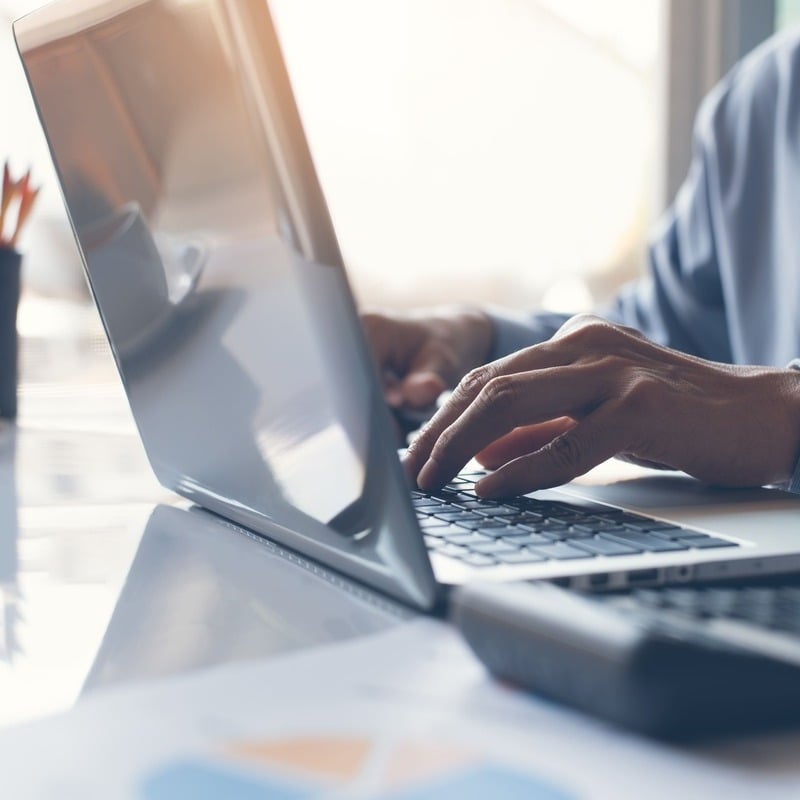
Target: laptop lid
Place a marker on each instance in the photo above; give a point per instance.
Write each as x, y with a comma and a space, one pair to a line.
211, 256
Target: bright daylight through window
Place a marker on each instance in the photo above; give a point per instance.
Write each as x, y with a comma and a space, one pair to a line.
492, 150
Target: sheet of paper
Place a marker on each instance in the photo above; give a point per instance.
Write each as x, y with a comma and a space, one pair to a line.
403, 715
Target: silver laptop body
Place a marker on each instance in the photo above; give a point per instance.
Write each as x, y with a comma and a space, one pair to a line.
215, 267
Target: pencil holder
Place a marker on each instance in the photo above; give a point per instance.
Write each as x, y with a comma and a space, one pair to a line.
10, 262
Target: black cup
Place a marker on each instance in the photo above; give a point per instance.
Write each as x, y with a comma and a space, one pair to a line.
10, 262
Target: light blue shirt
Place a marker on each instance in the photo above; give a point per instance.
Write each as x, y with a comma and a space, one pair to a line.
723, 278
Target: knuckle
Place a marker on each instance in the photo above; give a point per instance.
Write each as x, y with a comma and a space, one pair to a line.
640, 395
443, 444
417, 443
588, 330
579, 321
500, 393
566, 450
629, 331
609, 364
474, 381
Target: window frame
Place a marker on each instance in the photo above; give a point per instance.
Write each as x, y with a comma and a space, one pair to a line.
703, 39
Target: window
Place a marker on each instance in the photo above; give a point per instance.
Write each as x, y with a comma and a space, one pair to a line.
787, 13
471, 150
481, 150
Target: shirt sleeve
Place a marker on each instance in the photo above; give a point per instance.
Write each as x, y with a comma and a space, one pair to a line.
679, 301
722, 278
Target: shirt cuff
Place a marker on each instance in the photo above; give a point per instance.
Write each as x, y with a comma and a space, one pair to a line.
793, 485
514, 332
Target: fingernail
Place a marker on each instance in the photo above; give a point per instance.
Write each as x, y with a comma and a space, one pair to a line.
487, 488
427, 475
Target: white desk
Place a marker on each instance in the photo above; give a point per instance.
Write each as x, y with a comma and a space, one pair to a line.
77, 542
98, 590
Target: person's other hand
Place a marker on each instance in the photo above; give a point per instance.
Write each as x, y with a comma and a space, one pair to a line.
551, 412
423, 353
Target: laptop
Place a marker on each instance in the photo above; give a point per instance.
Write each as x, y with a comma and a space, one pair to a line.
214, 263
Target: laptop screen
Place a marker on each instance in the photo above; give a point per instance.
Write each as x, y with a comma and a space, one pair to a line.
211, 256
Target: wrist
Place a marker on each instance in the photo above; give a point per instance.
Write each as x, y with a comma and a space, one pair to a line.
469, 331
478, 334
792, 482
789, 391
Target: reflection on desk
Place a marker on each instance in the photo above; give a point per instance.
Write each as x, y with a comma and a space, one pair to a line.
202, 591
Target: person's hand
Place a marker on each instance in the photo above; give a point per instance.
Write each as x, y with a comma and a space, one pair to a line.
421, 354
551, 412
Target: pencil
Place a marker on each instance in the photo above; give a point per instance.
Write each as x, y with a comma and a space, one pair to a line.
5, 198
27, 199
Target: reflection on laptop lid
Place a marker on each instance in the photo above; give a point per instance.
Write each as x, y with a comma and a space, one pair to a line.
212, 259
214, 264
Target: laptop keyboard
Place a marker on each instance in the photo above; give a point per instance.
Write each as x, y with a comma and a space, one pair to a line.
775, 607
524, 530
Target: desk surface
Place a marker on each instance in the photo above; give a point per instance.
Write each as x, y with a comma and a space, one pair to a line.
106, 578
103, 579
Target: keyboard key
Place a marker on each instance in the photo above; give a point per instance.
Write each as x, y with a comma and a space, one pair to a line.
445, 493
518, 527
597, 527
646, 525
495, 524
650, 543
551, 525
430, 523
520, 557
471, 505
472, 525
611, 515
707, 543
453, 550
606, 547
451, 516
575, 532
465, 516
499, 511
437, 533
640, 525
493, 532
566, 519
468, 538
478, 560
561, 551
553, 536
528, 518
493, 547
425, 504
525, 539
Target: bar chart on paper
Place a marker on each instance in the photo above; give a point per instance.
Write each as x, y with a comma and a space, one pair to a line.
348, 766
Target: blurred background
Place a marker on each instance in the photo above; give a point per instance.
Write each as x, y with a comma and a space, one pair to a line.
505, 151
